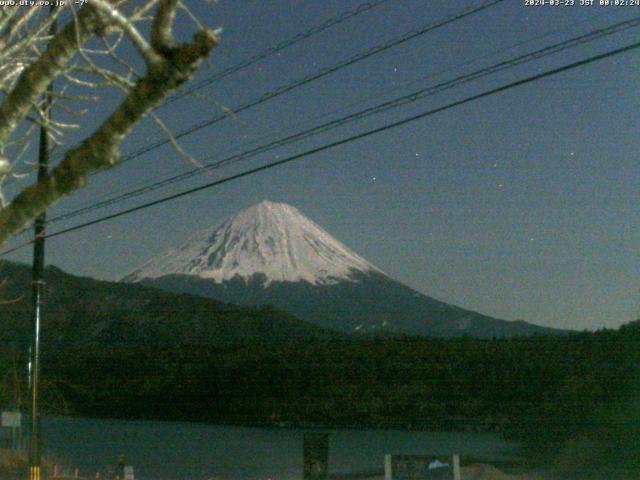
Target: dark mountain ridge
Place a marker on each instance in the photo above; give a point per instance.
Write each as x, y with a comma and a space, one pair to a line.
271, 253
84, 311
369, 304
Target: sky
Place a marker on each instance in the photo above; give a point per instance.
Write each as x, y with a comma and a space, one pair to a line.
520, 205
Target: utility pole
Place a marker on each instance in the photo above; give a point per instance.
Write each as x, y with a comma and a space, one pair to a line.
37, 287
37, 291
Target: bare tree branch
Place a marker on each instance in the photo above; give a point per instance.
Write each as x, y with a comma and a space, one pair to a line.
63, 55
149, 55
161, 36
34, 79
101, 149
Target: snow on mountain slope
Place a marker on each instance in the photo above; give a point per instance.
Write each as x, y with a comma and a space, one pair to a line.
272, 239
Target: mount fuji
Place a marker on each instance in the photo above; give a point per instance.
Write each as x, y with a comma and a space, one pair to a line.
271, 253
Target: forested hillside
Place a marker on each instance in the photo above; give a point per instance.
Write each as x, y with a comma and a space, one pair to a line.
166, 356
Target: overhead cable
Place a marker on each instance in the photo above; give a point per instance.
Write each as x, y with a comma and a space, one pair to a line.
343, 141
385, 106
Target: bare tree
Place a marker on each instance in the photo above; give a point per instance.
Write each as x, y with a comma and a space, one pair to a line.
84, 55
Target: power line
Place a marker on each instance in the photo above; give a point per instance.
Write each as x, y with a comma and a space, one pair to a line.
397, 102
346, 140
362, 8
159, 181
313, 77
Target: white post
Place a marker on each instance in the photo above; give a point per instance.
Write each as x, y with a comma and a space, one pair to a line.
388, 473
456, 467
128, 473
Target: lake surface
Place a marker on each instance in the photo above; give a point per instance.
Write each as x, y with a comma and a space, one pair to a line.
197, 451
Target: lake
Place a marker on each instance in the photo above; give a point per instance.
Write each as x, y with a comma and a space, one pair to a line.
198, 451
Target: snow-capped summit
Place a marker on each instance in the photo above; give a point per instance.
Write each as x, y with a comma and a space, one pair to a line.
271, 254
272, 239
